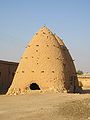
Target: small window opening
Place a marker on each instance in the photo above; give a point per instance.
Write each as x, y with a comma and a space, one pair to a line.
32, 57
33, 71
47, 45
34, 86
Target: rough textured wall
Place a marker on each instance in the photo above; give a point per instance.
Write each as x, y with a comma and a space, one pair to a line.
7, 71
43, 63
69, 68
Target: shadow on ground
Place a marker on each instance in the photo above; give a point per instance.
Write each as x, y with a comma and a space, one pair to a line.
86, 91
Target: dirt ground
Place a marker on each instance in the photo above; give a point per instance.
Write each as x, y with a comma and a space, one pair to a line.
45, 106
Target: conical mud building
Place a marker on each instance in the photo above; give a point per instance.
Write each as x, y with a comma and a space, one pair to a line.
45, 65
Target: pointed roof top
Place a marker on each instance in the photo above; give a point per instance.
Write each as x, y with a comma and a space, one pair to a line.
45, 29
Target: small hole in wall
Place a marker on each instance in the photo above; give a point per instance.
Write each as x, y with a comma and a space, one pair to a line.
36, 50
36, 33
22, 71
52, 71
47, 45
48, 58
44, 33
56, 46
37, 45
28, 45
32, 57
58, 58
42, 71
26, 57
32, 71
47, 36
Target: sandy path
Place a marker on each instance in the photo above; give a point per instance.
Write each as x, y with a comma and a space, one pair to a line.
49, 106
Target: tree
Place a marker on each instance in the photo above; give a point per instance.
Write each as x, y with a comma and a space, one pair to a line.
79, 72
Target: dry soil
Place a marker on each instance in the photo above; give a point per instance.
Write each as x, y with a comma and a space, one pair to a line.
45, 106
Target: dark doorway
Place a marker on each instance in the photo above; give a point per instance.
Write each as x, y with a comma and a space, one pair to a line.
34, 86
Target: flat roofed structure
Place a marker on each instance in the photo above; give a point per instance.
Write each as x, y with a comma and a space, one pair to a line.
7, 71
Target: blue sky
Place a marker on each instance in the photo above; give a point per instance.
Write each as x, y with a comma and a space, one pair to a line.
69, 19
